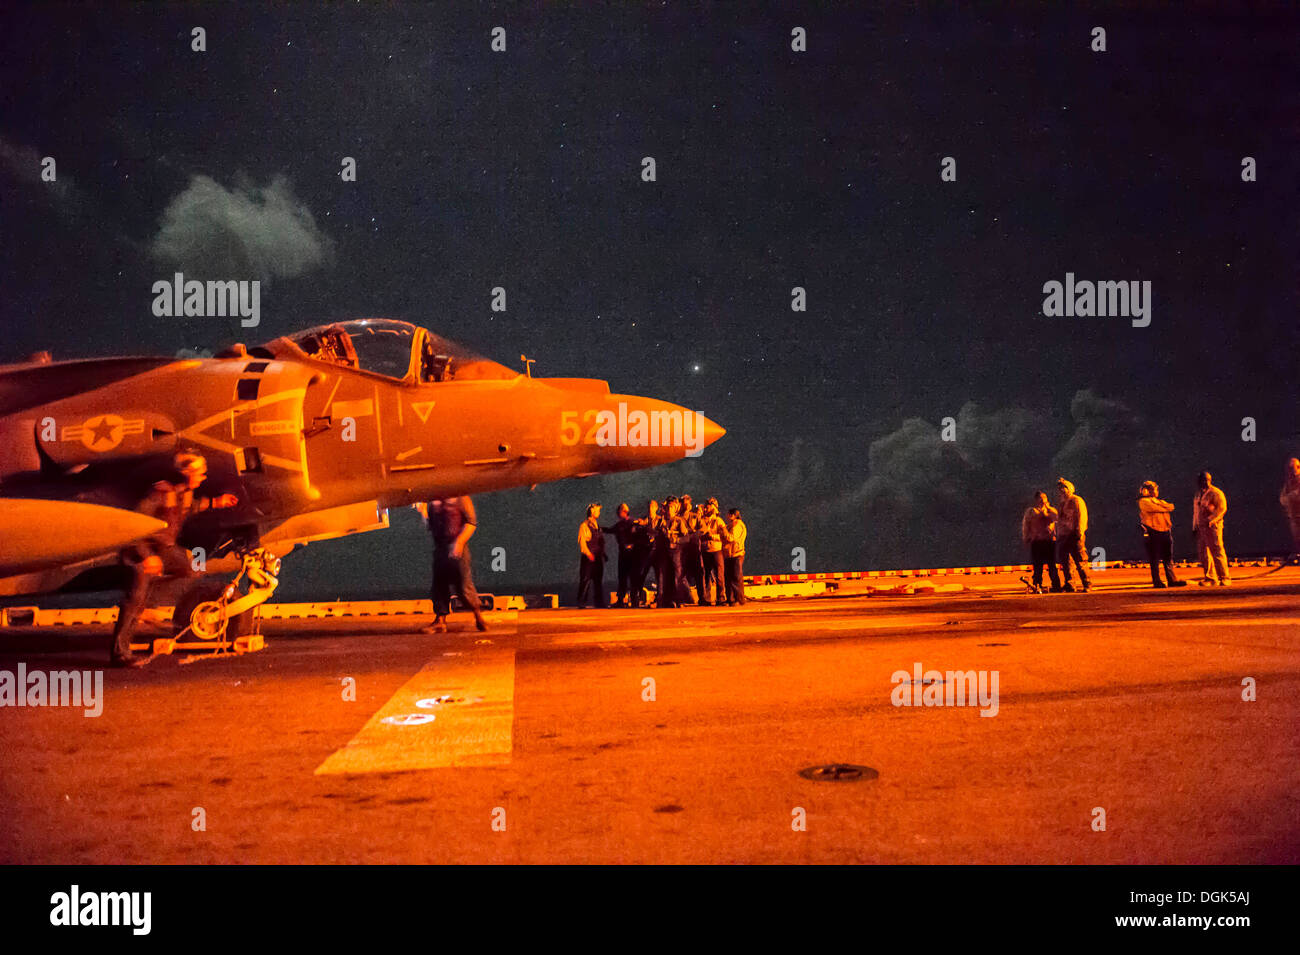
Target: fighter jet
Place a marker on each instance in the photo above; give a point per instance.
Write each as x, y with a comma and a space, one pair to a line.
318, 434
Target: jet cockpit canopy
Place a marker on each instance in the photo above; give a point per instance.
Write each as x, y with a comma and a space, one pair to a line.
391, 348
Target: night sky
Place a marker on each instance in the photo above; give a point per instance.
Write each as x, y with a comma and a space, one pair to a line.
775, 169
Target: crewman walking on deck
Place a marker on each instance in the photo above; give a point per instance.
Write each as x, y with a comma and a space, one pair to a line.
1157, 534
1037, 530
452, 522
1209, 507
172, 501
734, 552
1071, 536
591, 558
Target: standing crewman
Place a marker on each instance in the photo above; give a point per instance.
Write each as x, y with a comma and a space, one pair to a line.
452, 522
1290, 501
692, 565
591, 558
672, 532
713, 533
172, 501
1037, 530
1071, 536
1209, 507
625, 534
734, 553
1157, 534
665, 568
645, 539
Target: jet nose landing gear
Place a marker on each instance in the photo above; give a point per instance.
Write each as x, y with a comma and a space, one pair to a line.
221, 619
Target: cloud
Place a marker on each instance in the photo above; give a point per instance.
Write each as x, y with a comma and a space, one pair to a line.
210, 231
803, 469
974, 489
24, 164
1098, 423
913, 471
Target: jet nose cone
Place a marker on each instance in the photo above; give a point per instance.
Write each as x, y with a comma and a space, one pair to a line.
644, 432
700, 432
710, 430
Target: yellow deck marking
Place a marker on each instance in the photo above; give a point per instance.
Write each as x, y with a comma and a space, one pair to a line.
1076, 624
476, 732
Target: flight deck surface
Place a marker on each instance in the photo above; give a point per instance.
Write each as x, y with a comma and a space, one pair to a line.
678, 736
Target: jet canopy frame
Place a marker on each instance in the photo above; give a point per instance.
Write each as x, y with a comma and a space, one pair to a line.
392, 349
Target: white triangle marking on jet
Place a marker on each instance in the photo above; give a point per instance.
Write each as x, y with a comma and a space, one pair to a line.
422, 408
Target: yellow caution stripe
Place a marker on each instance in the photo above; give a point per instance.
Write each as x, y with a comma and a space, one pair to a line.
457, 711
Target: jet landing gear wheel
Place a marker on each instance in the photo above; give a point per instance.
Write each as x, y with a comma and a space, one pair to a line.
208, 620
201, 611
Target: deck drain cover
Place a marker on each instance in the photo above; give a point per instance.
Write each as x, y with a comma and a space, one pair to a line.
838, 773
